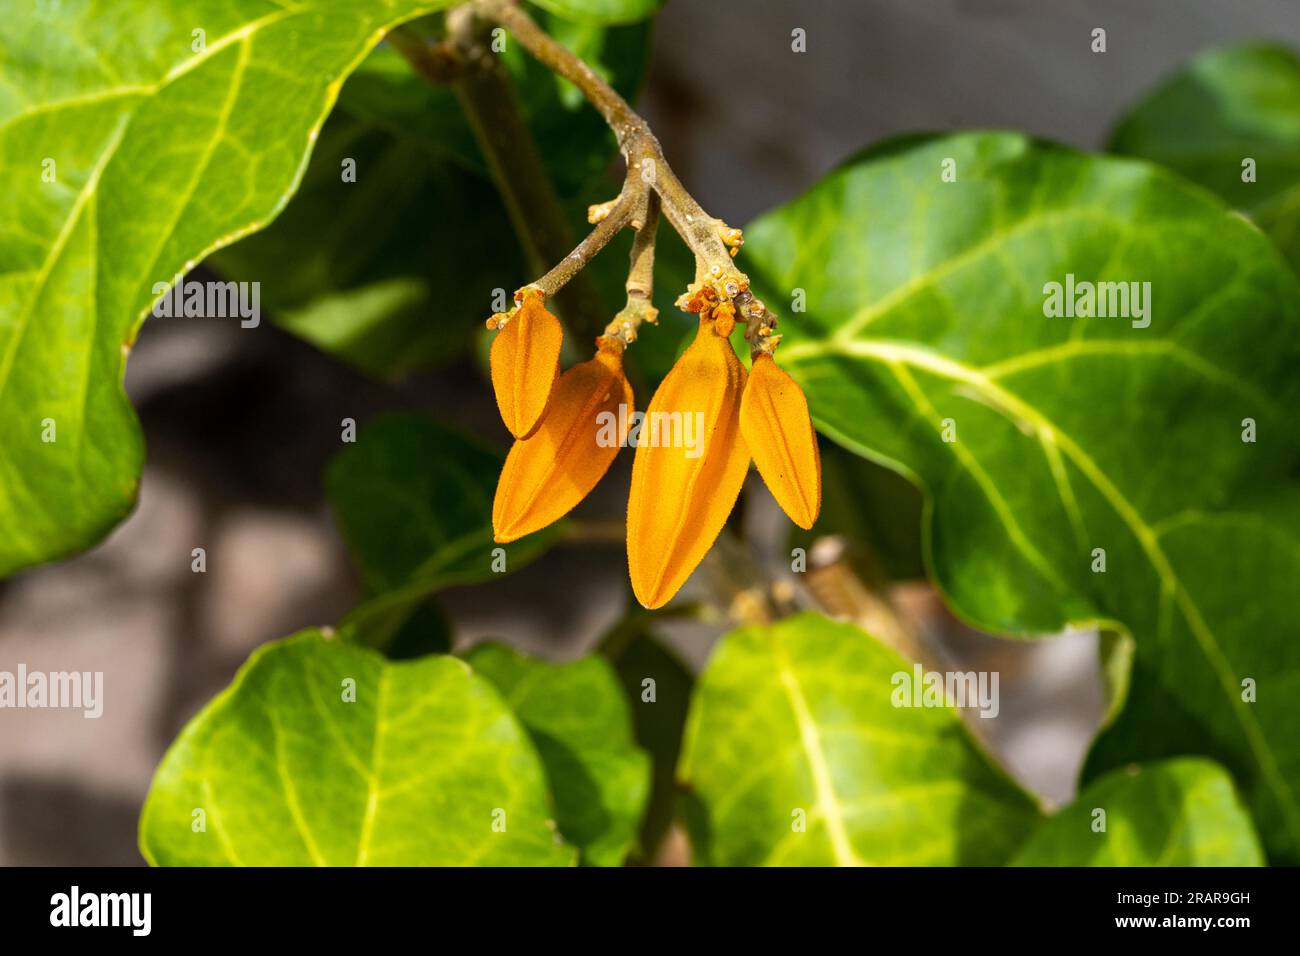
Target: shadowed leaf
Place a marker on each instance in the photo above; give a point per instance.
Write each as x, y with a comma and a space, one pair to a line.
579, 721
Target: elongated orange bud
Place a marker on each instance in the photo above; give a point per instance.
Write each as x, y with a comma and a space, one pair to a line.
778, 429
546, 475
690, 462
525, 360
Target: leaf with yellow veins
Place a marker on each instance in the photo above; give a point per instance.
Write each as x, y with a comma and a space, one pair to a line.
546, 475
778, 430
525, 360
691, 460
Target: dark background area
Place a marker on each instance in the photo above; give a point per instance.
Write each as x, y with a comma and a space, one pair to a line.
240, 423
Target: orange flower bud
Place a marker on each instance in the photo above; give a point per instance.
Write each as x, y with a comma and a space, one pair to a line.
778, 430
683, 490
525, 360
546, 475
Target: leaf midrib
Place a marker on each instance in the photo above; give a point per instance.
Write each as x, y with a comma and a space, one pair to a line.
990, 244
373, 788
828, 804
1005, 401
89, 191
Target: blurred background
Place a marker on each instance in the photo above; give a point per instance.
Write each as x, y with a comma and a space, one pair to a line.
241, 422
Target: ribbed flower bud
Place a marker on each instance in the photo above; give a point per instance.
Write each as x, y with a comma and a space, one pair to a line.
691, 461
546, 475
779, 432
525, 361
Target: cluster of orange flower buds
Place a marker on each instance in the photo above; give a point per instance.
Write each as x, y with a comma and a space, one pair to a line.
680, 497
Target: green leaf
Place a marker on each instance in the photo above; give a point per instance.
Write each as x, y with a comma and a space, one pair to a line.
602, 11
392, 271
413, 501
799, 717
160, 155
1174, 813
1226, 106
385, 93
926, 303
1240, 568
578, 719
414, 771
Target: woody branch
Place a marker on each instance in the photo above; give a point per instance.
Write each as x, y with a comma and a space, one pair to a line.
711, 240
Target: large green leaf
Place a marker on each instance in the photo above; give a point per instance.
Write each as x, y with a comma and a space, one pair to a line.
1173, 813
1175, 703
164, 148
413, 500
425, 766
579, 722
1227, 106
393, 271
925, 302
799, 717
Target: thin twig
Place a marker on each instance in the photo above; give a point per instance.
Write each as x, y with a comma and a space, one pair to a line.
620, 215
640, 277
622, 119
711, 240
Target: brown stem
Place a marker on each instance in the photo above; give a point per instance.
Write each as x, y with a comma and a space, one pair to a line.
620, 215
622, 119
710, 239
640, 276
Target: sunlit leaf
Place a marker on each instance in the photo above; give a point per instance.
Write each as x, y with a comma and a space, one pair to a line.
135, 139
1043, 441
323, 753
796, 755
